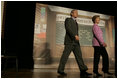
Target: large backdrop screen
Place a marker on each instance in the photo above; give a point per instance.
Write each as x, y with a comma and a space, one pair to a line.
49, 34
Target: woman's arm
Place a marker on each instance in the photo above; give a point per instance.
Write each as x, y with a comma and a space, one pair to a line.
98, 34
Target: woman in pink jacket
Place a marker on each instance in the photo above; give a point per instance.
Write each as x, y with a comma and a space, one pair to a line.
99, 48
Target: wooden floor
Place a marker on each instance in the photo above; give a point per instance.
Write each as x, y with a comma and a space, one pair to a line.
48, 73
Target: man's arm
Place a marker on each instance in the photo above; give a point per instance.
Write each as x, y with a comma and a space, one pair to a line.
68, 28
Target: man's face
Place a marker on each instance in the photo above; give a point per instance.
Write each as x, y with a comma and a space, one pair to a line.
75, 14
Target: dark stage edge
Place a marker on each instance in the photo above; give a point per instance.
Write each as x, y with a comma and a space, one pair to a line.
50, 73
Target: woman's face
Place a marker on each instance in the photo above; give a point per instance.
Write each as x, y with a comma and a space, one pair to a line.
97, 20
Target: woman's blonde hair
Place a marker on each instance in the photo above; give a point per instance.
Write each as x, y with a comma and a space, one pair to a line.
94, 18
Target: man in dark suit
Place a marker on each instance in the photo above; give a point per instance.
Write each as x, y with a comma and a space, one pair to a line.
71, 43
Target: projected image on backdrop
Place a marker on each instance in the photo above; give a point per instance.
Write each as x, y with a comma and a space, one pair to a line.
49, 34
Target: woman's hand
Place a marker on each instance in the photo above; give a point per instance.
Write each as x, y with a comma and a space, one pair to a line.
104, 45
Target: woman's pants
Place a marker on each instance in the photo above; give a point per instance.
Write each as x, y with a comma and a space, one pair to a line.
100, 51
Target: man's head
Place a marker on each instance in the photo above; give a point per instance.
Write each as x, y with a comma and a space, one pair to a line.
96, 19
74, 13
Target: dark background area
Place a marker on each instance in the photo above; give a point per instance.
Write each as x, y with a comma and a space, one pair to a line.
19, 30
104, 7
19, 25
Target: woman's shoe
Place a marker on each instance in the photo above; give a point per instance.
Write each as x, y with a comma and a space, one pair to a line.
108, 73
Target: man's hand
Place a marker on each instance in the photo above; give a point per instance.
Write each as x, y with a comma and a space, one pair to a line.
104, 44
77, 37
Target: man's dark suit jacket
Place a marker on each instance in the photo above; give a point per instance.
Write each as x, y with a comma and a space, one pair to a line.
71, 27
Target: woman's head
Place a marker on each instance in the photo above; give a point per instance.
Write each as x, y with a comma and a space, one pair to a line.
96, 19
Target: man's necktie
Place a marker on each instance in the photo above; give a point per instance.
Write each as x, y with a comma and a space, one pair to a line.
76, 24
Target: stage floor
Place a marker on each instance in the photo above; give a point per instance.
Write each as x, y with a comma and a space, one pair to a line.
49, 73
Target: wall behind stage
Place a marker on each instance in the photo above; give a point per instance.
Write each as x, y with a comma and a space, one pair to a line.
52, 41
